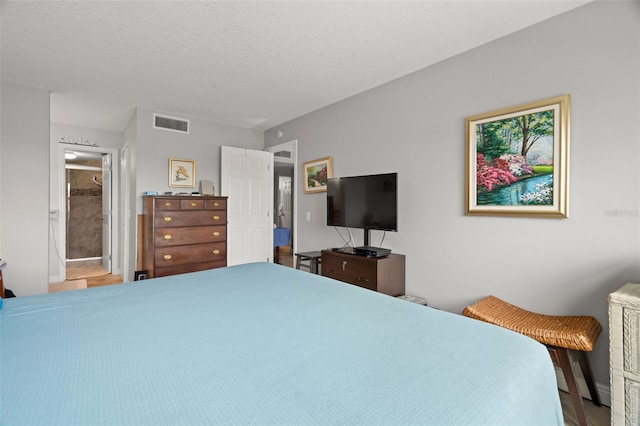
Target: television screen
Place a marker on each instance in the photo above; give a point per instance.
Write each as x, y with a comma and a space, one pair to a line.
367, 202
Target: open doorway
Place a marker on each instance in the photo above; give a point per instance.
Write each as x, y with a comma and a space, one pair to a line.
284, 201
87, 225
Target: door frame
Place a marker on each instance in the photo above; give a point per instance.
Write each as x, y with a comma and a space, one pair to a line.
62, 203
291, 146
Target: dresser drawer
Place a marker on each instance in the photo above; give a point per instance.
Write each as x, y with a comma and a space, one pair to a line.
193, 204
180, 255
165, 237
192, 267
166, 203
353, 271
165, 219
220, 204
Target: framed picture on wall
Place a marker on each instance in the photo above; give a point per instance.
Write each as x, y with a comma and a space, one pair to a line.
517, 160
315, 174
182, 173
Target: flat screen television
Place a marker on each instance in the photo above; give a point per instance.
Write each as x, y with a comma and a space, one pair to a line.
367, 202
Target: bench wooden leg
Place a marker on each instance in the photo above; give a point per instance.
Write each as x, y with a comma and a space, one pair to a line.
576, 398
585, 366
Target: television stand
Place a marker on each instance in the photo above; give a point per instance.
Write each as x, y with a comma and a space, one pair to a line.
384, 275
370, 251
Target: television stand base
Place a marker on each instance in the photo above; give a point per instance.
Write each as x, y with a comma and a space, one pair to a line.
370, 251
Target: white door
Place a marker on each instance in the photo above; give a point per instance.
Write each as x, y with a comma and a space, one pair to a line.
106, 212
246, 177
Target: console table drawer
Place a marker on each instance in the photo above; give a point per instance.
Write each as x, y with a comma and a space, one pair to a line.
351, 271
384, 275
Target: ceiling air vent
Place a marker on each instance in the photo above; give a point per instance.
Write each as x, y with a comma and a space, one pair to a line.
173, 124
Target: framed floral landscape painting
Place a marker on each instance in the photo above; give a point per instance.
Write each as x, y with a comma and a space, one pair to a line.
315, 174
518, 160
182, 173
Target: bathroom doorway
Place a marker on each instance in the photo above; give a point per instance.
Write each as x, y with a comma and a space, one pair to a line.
284, 202
88, 222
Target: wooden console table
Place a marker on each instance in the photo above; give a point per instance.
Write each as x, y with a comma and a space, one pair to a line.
384, 275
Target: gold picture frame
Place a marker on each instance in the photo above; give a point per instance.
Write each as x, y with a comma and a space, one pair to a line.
517, 160
182, 173
315, 174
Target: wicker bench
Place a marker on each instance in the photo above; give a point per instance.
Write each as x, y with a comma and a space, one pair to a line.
559, 333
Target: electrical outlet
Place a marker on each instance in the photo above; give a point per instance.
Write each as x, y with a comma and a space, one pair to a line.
308, 216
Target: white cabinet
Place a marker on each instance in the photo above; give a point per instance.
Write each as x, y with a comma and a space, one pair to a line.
624, 352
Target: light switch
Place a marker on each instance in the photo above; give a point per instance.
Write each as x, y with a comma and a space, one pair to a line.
308, 216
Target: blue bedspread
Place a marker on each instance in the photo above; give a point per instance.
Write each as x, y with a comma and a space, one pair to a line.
261, 344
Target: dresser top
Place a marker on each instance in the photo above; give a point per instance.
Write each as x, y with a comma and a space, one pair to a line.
176, 196
627, 294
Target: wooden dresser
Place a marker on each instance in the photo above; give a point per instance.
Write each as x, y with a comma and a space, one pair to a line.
384, 275
184, 234
624, 354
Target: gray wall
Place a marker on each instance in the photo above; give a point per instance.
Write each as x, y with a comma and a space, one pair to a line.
24, 188
415, 126
154, 148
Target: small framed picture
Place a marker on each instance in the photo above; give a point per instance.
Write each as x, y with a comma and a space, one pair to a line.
140, 275
182, 173
315, 174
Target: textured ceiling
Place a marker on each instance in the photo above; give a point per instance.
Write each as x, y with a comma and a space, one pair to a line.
254, 64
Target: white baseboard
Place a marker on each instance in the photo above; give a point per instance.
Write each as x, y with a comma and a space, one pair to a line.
604, 392
55, 279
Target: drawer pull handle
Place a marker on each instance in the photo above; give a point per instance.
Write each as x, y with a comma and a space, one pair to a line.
216, 234
216, 252
193, 204
167, 237
363, 279
344, 264
167, 204
167, 257
216, 218
167, 219
216, 204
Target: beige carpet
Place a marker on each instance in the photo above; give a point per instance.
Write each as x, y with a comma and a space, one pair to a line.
596, 416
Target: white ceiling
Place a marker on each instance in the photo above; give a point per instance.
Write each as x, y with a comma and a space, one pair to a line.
253, 64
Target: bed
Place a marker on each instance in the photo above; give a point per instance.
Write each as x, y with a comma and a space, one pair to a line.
262, 344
